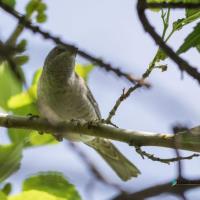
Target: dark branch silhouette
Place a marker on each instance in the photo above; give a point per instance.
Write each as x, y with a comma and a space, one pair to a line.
46, 35
182, 64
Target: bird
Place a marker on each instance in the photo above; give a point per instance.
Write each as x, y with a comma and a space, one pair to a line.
63, 95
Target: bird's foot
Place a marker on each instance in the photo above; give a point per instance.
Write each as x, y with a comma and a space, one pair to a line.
32, 117
106, 121
58, 137
41, 132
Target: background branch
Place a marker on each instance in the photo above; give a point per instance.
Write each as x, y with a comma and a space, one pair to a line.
46, 35
182, 64
159, 189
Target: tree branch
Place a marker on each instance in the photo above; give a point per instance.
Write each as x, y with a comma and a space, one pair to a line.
182, 64
159, 189
163, 160
188, 140
46, 35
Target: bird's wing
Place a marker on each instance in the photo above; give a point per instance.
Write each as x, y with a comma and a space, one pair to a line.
93, 102
90, 97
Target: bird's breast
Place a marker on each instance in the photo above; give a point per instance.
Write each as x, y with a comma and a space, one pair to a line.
66, 101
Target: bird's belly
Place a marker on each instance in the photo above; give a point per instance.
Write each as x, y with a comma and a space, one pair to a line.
69, 106
60, 107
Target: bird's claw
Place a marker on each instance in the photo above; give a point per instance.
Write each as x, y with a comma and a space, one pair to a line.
31, 116
58, 137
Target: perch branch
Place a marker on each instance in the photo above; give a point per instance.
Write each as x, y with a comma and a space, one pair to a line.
188, 140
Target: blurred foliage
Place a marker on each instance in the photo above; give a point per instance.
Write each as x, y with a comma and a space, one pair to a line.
24, 103
10, 157
84, 70
38, 7
33, 195
3, 196
53, 183
46, 186
9, 85
191, 15
192, 40
7, 188
10, 2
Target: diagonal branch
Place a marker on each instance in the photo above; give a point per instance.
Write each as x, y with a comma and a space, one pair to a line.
159, 189
46, 35
172, 5
182, 64
188, 140
163, 160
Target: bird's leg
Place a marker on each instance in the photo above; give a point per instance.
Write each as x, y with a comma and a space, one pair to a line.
32, 117
105, 121
58, 136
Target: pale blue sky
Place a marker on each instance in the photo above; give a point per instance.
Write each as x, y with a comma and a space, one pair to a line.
111, 30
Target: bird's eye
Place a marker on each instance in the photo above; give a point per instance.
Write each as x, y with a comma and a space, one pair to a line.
58, 51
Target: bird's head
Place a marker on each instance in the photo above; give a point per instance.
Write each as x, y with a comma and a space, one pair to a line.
61, 58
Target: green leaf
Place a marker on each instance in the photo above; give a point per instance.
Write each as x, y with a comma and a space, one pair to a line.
9, 85
39, 7
10, 157
3, 196
42, 7
23, 99
25, 103
36, 139
10, 2
198, 47
160, 55
28, 97
34, 195
33, 138
53, 183
84, 70
41, 18
31, 7
7, 188
192, 40
190, 17
18, 135
21, 46
36, 76
191, 12
21, 60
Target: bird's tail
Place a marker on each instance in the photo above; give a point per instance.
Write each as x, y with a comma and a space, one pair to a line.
120, 164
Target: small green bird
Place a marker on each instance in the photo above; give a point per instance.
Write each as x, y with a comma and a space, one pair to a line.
63, 95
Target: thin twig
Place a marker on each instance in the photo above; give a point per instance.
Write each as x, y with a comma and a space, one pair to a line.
163, 160
46, 35
182, 64
145, 75
122, 97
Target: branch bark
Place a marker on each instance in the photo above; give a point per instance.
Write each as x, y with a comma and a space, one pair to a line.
188, 140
